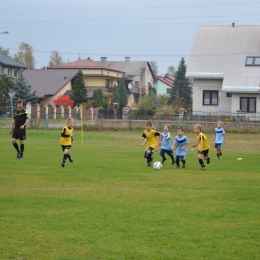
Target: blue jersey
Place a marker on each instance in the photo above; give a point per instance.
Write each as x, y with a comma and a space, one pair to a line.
219, 132
179, 142
166, 143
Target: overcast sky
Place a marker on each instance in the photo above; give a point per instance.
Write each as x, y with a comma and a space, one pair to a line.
162, 31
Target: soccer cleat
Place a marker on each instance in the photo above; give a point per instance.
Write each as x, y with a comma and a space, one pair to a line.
63, 164
184, 165
19, 156
148, 164
70, 158
163, 160
208, 160
202, 169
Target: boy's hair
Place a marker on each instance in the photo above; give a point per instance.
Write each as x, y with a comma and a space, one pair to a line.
180, 128
167, 126
198, 126
220, 122
70, 119
19, 101
148, 122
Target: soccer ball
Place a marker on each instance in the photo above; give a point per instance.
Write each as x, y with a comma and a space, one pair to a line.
157, 166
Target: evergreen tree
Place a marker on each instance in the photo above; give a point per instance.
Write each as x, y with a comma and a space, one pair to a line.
79, 91
105, 104
6, 85
98, 98
23, 91
122, 94
180, 95
115, 97
152, 94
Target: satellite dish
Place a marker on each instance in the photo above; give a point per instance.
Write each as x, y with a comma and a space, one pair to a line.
115, 83
129, 85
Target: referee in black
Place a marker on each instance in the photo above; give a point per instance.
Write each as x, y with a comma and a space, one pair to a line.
18, 128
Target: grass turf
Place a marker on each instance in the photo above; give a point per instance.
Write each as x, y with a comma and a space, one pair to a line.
108, 205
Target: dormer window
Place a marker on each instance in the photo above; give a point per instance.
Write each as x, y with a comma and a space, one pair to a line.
252, 61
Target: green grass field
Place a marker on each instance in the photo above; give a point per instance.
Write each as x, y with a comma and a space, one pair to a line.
109, 205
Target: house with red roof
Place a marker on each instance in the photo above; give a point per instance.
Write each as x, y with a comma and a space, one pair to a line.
163, 85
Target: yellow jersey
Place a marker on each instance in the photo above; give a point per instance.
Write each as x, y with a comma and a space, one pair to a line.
206, 144
151, 138
66, 139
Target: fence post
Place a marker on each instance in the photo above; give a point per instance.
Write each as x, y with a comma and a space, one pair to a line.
46, 121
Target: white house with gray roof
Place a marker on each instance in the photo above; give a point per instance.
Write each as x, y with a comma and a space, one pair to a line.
225, 67
10, 67
139, 74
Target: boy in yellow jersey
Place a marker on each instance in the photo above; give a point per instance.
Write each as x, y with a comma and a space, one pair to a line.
203, 146
152, 140
66, 140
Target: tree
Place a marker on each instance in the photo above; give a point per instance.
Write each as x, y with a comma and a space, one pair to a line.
6, 85
122, 94
154, 68
79, 91
171, 71
105, 104
56, 59
5, 51
98, 98
23, 91
25, 56
63, 101
146, 109
180, 95
152, 94
115, 97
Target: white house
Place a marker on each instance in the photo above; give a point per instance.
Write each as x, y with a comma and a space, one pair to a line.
225, 67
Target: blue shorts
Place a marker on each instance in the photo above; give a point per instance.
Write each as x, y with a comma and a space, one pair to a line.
163, 151
218, 145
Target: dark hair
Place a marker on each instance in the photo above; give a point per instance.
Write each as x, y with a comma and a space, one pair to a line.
148, 122
180, 128
19, 101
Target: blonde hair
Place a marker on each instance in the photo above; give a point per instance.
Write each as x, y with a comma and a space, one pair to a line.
198, 126
148, 122
70, 119
220, 122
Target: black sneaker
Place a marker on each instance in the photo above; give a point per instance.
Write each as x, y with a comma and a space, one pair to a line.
208, 160
63, 164
70, 158
163, 160
19, 156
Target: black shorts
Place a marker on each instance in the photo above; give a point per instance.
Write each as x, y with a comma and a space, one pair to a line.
204, 152
63, 147
19, 134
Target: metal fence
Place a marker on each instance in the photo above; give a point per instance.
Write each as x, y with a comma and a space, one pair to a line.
132, 119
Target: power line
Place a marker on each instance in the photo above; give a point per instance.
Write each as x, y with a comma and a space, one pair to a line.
120, 25
132, 19
134, 8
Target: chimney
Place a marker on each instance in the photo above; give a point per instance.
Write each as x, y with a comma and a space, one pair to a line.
103, 59
233, 24
127, 58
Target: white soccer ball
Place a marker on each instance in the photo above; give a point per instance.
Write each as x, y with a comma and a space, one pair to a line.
157, 166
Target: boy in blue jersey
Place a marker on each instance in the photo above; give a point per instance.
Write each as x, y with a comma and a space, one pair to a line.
220, 137
181, 143
165, 138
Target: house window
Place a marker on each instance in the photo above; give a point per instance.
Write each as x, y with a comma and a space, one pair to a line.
7, 71
210, 97
248, 104
168, 91
252, 61
107, 83
137, 85
15, 73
